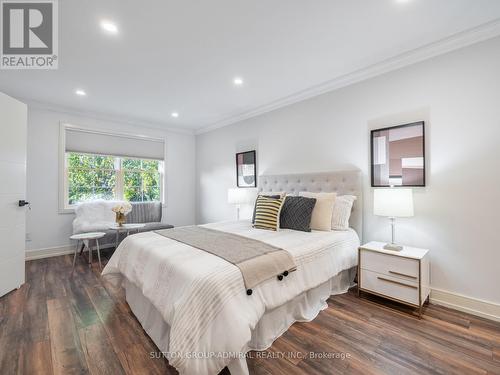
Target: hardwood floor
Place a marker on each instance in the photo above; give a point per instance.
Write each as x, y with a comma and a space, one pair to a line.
57, 324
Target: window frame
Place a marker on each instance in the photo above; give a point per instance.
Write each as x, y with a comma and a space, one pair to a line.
119, 175
67, 205
64, 206
122, 170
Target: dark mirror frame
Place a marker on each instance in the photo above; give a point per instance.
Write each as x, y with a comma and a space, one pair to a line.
254, 169
422, 123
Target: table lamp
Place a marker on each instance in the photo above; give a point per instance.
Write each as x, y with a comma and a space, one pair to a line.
393, 203
239, 196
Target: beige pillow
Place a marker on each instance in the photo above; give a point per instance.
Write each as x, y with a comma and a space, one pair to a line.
323, 209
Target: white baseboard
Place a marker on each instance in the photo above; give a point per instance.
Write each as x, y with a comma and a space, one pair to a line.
474, 306
55, 251
49, 252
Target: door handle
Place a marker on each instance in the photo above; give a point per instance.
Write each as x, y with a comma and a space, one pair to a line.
23, 203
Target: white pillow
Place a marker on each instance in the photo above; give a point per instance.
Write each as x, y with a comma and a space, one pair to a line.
342, 212
323, 209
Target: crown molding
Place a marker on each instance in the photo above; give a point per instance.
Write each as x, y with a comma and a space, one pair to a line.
460, 40
105, 117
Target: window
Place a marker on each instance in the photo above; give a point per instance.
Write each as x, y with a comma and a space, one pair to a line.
97, 164
141, 180
90, 176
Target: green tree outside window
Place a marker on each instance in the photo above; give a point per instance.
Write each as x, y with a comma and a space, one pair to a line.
141, 180
99, 176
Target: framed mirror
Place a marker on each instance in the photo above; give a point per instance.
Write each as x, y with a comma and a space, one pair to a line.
398, 155
246, 169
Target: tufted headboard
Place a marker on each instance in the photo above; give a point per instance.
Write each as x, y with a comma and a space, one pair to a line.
341, 182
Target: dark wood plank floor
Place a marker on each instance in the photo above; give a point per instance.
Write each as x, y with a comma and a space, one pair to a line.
57, 324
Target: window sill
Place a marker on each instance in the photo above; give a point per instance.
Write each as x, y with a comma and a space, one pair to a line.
66, 210
71, 210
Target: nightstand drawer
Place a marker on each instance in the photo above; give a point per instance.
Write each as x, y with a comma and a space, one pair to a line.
390, 265
388, 286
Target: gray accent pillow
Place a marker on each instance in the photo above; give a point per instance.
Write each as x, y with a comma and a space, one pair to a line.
296, 213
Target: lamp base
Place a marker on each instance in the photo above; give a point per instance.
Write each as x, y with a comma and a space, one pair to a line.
393, 247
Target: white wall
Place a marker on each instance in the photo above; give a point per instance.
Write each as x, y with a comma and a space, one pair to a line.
46, 227
458, 95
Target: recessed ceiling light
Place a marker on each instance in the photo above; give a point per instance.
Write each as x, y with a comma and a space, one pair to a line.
238, 81
174, 114
80, 92
109, 26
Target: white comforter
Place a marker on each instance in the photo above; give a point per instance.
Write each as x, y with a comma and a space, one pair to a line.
202, 297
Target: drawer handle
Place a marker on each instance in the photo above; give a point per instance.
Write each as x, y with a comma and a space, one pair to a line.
396, 282
403, 274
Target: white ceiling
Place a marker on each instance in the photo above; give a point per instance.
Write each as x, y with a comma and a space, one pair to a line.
183, 55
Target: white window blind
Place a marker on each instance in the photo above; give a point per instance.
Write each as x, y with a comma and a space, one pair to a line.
110, 144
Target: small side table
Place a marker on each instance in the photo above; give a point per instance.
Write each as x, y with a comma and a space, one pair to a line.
86, 238
402, 276
127, 228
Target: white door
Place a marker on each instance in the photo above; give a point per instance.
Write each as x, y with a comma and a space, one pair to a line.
13, 121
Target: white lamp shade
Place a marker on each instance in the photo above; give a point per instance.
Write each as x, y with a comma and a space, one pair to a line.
241, 195
393, 202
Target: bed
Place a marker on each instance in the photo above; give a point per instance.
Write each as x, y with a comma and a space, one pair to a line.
192, 303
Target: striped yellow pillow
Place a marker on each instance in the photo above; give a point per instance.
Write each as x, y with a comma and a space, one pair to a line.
267, 212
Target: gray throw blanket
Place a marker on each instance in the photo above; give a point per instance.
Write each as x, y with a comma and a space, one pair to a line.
257, 260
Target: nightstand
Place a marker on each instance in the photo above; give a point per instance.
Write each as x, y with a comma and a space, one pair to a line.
402, 276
